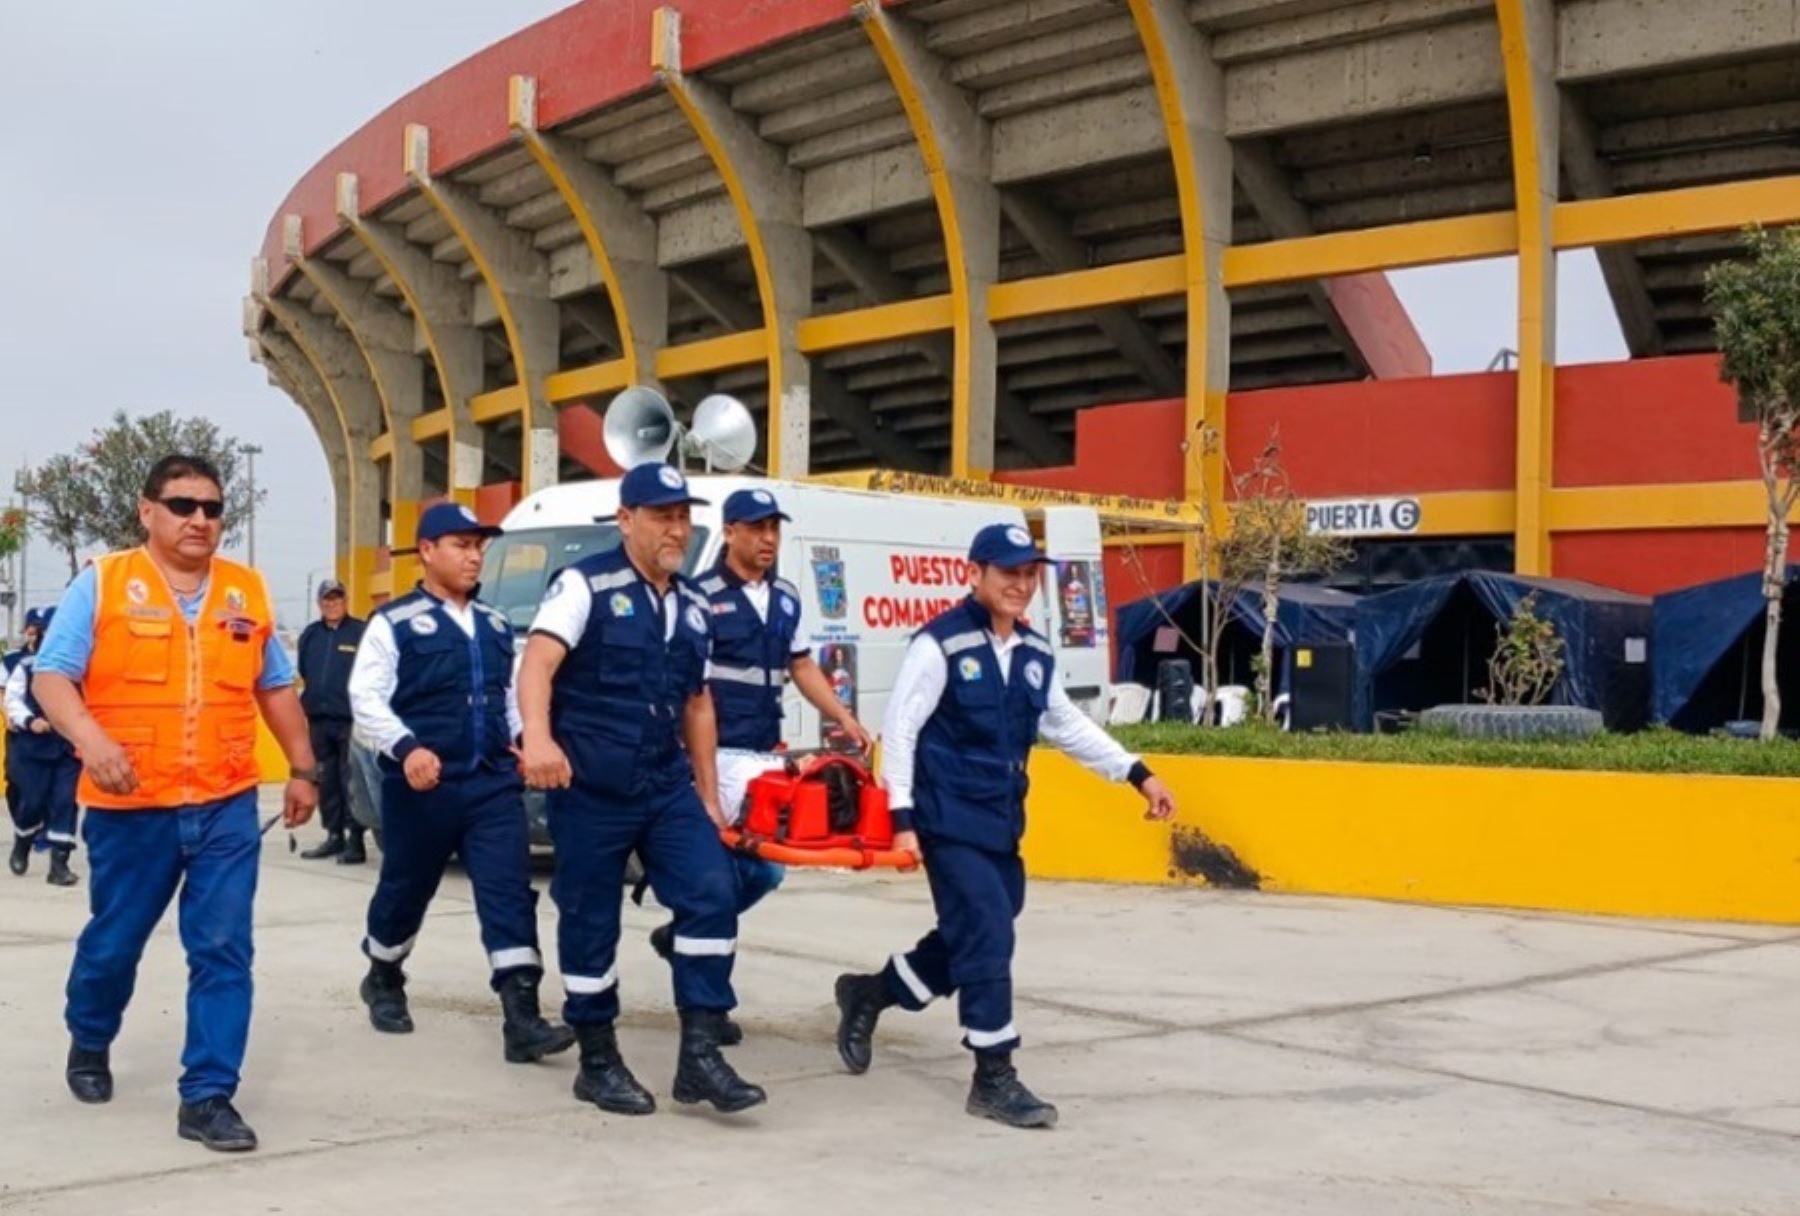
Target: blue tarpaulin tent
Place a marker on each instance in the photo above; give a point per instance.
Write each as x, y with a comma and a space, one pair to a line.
1428, 643
1305, 615
1707, 669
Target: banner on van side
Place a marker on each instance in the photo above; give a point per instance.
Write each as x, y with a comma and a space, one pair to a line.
838, 661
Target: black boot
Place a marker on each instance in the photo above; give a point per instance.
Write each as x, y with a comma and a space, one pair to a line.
384, 992
998, 1094
60, 874
215, 1123
604, 1080
20, 861
526, 1034
860, 1000
89, 1074
662, 940
354, 853
701, 1073
331, 846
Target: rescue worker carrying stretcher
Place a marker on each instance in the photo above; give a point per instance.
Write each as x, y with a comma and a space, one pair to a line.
432, 690
620, 729
756, 648
973, 693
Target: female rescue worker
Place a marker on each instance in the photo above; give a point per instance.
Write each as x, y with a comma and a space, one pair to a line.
44, 766
974, 691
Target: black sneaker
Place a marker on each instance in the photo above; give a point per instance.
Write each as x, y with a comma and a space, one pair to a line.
215, 1123
89, 1074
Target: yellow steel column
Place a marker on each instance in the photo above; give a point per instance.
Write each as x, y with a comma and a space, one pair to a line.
1528, 50
1190, 94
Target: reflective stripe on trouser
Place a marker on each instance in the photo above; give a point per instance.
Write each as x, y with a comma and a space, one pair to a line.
136, 862
45, 773
481, 817
690, 871
977, 895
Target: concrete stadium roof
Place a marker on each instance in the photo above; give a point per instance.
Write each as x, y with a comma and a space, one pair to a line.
566, 210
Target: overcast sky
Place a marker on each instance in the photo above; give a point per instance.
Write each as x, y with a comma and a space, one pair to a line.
146, 147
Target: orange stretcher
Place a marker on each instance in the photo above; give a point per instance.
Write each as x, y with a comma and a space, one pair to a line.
824, 810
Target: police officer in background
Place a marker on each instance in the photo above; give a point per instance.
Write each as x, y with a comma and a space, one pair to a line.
756, 649
611, 688
22, 845
45, 769
973, 693
432, 691
327, 650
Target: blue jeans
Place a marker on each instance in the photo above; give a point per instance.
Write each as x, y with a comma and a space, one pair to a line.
755, 879
137, 860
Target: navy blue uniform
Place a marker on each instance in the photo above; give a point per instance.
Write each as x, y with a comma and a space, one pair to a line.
750, 658
617, 708
447, 690
8, 661
44, 770
969, 787
326, 653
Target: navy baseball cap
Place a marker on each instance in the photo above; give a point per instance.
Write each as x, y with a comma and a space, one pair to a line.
1005, 545
750, 506
34, 618
450, 519
655, 485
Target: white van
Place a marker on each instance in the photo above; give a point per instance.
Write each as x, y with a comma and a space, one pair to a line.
872, 569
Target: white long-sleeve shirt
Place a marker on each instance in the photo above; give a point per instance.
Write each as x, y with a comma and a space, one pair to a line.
18, 713
919, 687
376, 673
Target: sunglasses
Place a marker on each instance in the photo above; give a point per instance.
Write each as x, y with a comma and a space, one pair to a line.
212, 508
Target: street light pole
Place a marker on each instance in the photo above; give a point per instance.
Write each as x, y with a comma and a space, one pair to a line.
252, 452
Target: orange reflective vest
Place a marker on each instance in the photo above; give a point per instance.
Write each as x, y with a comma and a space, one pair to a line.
179, 698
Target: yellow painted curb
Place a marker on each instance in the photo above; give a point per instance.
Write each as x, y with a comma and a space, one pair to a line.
1631, 844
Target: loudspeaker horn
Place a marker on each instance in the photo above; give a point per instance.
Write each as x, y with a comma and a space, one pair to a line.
723, 434
640, 427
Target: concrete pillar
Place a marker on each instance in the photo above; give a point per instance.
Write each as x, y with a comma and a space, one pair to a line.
289, 371
766, 195
384, 337
441, 307
956, 142
1528, 50
1190, 90
619, 235
352, 397
518, 279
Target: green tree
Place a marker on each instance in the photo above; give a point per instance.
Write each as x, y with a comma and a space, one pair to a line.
1755, 304
60, 499
1268, 543
119, 457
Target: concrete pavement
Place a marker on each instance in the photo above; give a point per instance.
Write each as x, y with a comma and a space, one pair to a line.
1241, 1053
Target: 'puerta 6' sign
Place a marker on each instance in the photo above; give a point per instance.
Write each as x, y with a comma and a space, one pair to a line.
1364, 516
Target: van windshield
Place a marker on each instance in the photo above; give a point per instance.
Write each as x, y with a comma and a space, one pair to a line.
518, 566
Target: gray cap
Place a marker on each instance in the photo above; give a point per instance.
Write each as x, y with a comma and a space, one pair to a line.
330, 587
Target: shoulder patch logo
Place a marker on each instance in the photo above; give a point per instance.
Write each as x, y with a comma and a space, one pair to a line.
1034, 674
621, 605
696, 619
234, 598
969, 668
136, 591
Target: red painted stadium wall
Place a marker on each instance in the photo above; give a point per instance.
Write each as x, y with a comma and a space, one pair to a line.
1653, 421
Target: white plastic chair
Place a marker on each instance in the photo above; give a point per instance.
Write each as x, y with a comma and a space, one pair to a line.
1234, 704
1284, 711
1130, 703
